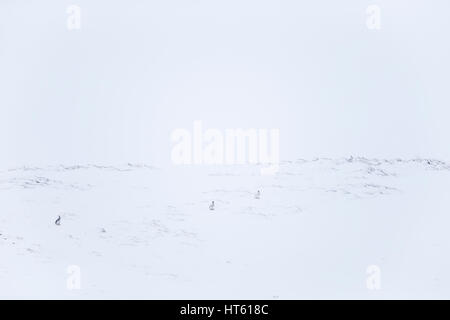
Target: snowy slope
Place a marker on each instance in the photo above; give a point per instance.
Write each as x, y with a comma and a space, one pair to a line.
136, 231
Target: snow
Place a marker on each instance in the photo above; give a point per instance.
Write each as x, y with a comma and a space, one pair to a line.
137, 231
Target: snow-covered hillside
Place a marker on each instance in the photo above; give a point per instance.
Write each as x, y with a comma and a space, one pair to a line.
136, 231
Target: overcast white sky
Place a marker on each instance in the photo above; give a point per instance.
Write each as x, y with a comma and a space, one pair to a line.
114, 90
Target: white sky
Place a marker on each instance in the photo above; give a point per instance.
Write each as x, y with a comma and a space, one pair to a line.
114, 90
